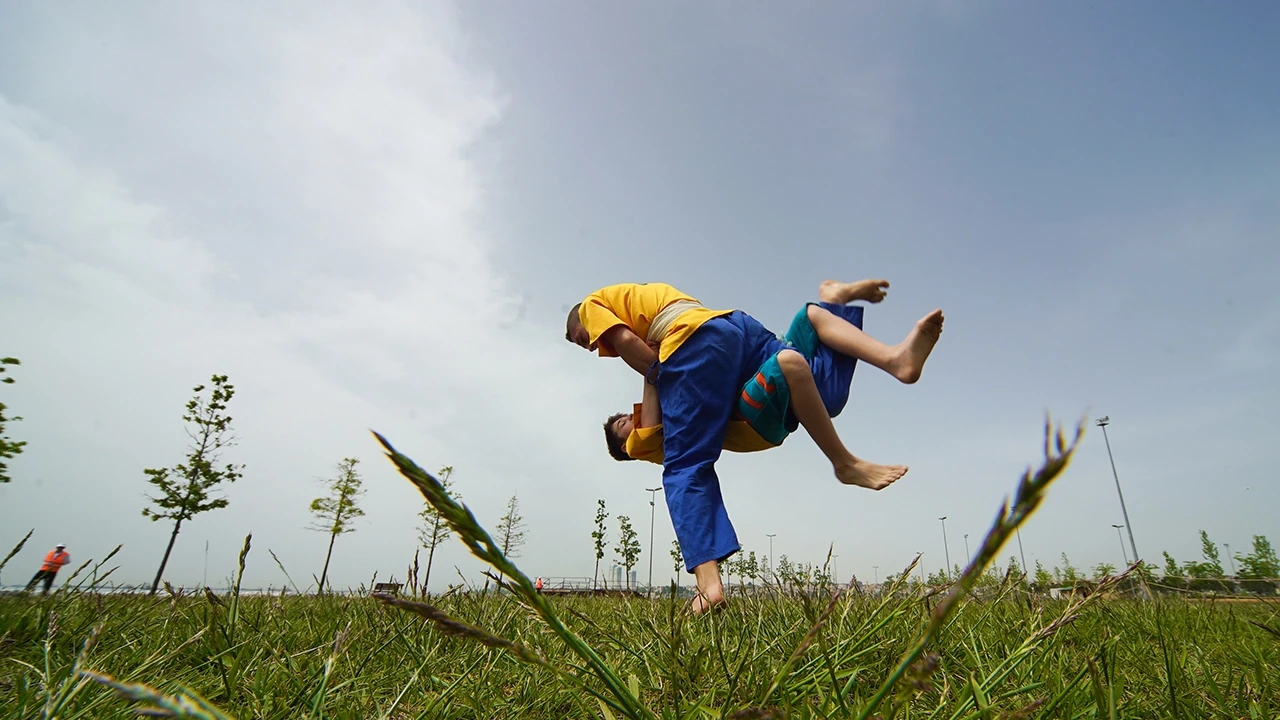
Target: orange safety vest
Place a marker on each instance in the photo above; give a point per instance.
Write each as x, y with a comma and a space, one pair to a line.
539, 586
54, 561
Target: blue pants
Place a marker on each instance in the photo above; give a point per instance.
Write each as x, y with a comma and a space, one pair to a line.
699, 385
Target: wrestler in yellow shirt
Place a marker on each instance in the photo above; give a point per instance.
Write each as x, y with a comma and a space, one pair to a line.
636, 306
644, 431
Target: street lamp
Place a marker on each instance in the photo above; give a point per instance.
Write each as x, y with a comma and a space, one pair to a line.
947, 569
771, 536
876, 568
1025, 570
1230, 559
1103, 422
651, 492
967, 557
1121, 539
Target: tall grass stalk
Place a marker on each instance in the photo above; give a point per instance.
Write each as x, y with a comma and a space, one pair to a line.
462, 522
1030, 493
16, 548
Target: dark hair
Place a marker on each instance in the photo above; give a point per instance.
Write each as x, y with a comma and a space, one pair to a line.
617, 446
572, 322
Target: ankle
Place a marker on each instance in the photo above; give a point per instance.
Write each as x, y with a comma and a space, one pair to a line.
843, 460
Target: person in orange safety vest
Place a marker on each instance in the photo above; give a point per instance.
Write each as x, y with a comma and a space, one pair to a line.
53, 562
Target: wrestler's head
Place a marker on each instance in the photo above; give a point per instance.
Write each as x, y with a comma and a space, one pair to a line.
616, 430
574, 331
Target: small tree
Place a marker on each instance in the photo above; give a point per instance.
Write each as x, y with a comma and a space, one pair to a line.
628, 549
1262, 562
1211, 566
677, 560
335, 513
733, 566
185, 490
785, 571
1069, 573
598, 537
752, 566
1015, 571
9, 448
510, 532
1103, 569
1043, 579
1171, 569
435, 529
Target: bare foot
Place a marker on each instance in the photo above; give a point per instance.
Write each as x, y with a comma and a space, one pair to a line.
704, 602
910, 354
843, 293
869, 475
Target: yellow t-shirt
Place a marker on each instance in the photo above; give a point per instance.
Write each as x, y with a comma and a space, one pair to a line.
646, 443
635, 305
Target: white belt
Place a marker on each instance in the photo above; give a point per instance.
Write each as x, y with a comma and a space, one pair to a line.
662, 321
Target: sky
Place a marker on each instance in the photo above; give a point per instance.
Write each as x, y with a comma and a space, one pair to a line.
375, 218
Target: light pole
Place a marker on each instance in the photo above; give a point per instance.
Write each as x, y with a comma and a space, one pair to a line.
771, 536
876, 568
1120, 537
922, 567
1230, 559
967, 557
1103, 422
835, 568
947, 569
651, 492
1025, 570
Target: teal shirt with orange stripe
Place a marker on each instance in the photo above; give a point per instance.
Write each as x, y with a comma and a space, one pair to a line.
765, 401
759, 423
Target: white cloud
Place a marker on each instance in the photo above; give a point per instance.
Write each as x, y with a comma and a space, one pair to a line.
303, 222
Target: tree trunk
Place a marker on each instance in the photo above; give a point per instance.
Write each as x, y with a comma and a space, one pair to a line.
325, 573
431, 553
595, 575
173, 537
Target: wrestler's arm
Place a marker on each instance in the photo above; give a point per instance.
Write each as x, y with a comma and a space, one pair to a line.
630, 347
650, 408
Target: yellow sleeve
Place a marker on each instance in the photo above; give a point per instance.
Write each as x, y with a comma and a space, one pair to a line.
598, 316
646, 444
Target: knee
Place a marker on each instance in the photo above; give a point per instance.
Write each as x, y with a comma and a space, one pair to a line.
793, 364
818, 315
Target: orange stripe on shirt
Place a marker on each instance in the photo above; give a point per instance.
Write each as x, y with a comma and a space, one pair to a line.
751, 401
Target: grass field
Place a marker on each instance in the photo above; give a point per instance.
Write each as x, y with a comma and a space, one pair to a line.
354, 657
781, 653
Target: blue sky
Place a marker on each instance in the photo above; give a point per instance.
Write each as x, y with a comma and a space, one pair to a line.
377, 219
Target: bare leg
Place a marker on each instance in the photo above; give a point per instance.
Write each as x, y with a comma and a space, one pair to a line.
843, 293
710, 588
811, 413
905, 361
